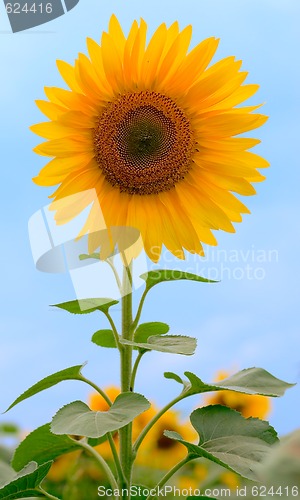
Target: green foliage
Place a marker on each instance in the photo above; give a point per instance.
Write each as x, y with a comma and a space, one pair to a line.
174, 344
146, 330
77, 418
25, 483
72, 373
152, 278
42, 445
9, 428
104, 338
282, 466
248, 381
86, 306
229, 439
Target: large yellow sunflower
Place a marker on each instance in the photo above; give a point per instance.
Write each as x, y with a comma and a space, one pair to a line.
151, 129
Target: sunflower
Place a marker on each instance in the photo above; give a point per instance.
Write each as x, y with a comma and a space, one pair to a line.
165, 452
150, 128
249, 405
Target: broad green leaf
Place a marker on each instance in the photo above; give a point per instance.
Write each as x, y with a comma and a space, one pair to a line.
86, 306
42, 445
152, 278
26, 482
146, 330
77, 418
248, 381
174, 344
104, 338
72, 373
201, 496
229, 439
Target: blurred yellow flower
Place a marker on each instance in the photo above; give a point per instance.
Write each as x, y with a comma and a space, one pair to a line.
230, 479
248, 405
165, 452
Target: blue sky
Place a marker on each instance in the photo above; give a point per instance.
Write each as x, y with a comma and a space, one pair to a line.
241, 322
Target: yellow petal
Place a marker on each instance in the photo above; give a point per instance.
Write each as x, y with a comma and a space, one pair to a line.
57, 169
193, 66
138, 51
228, 124
51, 110
117, 35
153, 55
174, 57
67, 146
112, 63
68, 73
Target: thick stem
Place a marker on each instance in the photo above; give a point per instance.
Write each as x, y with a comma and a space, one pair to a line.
126, 369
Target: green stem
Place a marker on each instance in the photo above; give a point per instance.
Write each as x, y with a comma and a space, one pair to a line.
126, 368
46, 494
94, 386
135, 367
140, 308
115, 331
171, 473
116, 457
149, 426
101, 462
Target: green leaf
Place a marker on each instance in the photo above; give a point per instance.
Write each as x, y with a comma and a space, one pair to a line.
248, 381
77, 418
152, 278
201, 496
86, 306
26, 482
146, 330
174, 344
72, 373
229, 439
104, 338
42, 445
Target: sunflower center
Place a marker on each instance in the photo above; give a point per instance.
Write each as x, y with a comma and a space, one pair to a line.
143, 143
